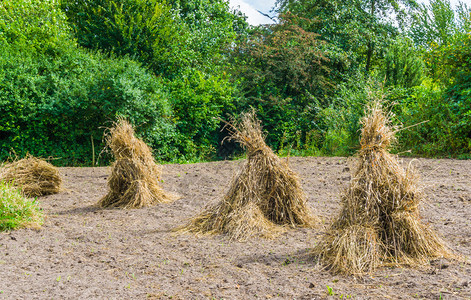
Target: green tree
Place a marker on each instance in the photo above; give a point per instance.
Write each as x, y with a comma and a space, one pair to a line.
403, 64
186, 43
359, 27
464, 17
434, 23
285, 74
146, 30
437, 26
56, 98
213, 30
44, 30
168, 37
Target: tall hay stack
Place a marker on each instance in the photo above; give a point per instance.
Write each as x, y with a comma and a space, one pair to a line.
34, 176
379, 223
134, 180
263, 196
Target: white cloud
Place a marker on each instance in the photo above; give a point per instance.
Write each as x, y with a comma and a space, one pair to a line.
250, 10
454, 3
263, 5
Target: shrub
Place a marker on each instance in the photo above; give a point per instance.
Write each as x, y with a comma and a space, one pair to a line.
168, 37
36, 26
175, 41
403, 65
446, 133
340, 120
145, 30
199, 100
55, 106
56, 99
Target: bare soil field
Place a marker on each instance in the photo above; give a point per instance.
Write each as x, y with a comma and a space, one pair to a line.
83, 252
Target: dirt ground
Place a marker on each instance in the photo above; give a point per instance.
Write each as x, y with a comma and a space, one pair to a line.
87, 253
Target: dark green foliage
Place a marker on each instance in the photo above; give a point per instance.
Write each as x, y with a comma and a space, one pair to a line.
186, 44
143, 29
54, 107
285, 75
54, 102
168, 37
198, 101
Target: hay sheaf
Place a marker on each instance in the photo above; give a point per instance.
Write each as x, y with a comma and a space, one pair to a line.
134, 180
379, 223
264, 197
34, 176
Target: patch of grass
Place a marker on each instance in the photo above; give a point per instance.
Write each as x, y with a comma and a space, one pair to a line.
330, 291
16, 211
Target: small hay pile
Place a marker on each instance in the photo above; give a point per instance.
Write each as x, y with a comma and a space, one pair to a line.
379, 223
264, 195
134, 180
35, 177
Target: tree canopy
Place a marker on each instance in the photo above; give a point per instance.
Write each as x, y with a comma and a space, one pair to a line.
176, 68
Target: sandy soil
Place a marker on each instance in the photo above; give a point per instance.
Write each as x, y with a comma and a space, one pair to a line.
87, 253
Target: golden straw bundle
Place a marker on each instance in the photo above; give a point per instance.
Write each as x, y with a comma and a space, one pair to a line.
134, 181
34, 176
379, 223
264, 195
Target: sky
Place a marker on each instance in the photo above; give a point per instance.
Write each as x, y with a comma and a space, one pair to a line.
249, 8
453, 2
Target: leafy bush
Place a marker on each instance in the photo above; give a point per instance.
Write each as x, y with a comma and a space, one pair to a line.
175, 41
55, 106
212, 29
39, 27
447, 132
145, 30
341, 119
199, 101
57, 102
16, 211
445, 101
168, 37
403, 64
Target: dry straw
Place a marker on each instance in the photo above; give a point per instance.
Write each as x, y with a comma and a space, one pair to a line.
35, 177
379, 223
134, 180
264, 195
